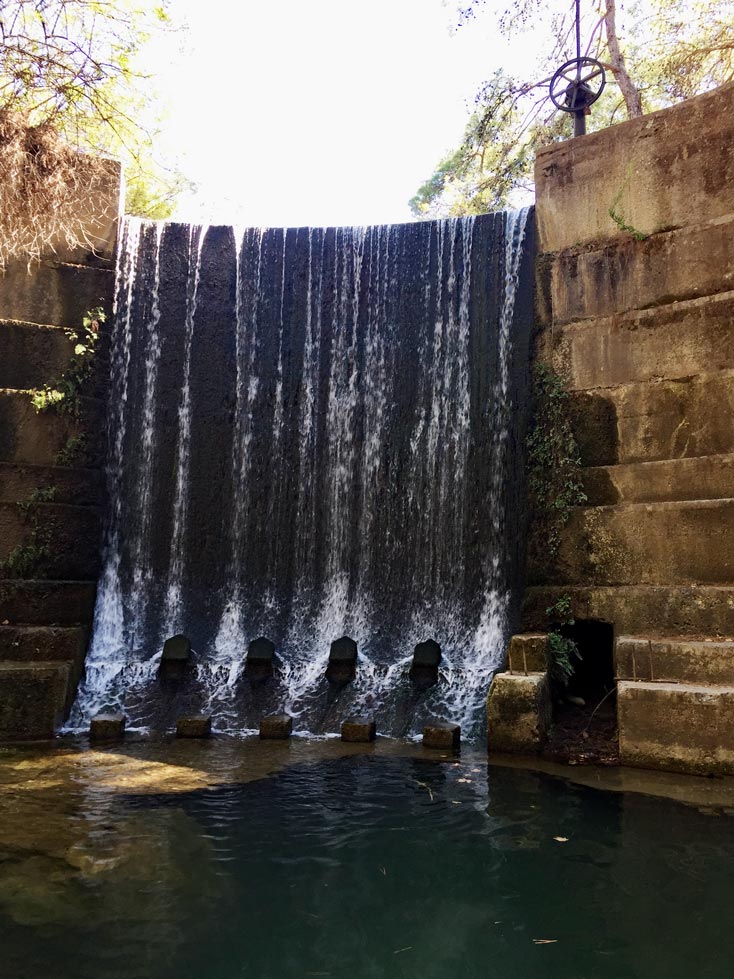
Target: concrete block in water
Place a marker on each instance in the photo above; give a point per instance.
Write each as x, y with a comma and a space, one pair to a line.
260, 662
194, 726
678, 727
359, 730
528, 653
276, 727
441, 734
518, 712
342, 661
107, 727
426, 660
176, 656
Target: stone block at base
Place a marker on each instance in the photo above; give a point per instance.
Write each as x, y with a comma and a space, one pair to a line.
440, 734
276, 727
528, 653
518, 712
359, 730
677, 727
194, 726
107, 727
32, 699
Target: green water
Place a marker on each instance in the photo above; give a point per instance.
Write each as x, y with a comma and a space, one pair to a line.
354, 867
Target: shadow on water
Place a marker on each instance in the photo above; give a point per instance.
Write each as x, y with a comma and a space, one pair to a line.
272, 862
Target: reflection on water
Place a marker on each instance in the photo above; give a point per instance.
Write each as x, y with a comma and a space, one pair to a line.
215, 860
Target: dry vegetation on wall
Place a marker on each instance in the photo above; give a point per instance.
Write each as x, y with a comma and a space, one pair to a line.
44, 185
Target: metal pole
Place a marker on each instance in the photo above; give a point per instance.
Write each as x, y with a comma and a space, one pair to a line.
579, 118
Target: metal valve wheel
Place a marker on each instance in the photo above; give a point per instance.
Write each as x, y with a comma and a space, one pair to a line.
577, 84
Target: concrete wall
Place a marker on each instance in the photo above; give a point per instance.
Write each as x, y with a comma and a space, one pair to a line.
640, 325
47, 601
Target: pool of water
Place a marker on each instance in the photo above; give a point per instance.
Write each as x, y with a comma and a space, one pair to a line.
245, 861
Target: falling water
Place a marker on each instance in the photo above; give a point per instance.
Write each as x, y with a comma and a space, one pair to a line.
313, 432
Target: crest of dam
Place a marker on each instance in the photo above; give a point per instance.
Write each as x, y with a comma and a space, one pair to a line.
313, 433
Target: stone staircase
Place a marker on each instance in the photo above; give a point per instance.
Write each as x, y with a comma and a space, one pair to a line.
51, 498
642, 332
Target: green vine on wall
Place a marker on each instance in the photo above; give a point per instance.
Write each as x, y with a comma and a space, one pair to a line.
563, 652
73, 451
30, 557
554, 463
64, 394
617, 217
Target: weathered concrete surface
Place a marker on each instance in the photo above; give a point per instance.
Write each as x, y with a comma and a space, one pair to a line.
55, 293
647, 422
31, 354
81, 487
518, 712
29, 644
528, 653
46, 602
674, 660
644, 543
699, 478
639, 326
666, 342
36, 438
676, 726
640, 610
33, 698
70, 534
664, 168
42, 621
624, 274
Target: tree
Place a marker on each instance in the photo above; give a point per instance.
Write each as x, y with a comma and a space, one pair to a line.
72, 69
664, 53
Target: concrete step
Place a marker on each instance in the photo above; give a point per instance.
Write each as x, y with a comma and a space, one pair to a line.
67, 538
690, 542
32, 643
666, 342
680, 727
650, 421
598, 280
34, 698
56, 293
83, 487
32, 355
703, 661
61, 603
638, 610
669, 480
40, 439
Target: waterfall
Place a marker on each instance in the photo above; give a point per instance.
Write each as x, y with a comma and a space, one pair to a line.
313, 432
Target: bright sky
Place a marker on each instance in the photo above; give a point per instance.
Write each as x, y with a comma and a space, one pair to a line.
319, 111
